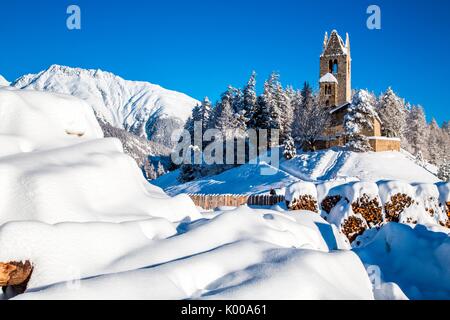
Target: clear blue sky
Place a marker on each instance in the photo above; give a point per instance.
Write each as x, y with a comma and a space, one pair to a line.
199, 47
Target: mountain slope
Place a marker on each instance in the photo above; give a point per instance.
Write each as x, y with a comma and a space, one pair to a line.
3, 81
142, 108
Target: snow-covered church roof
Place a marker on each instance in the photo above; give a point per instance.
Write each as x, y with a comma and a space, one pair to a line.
328, 78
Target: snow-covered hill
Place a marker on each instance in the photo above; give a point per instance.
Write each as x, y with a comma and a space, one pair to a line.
313, 166
141, 108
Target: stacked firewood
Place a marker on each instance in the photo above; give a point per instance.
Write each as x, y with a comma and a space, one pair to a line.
448, 214
370, 209
394, 208
305, 202
353, 227
330, 202
16, 275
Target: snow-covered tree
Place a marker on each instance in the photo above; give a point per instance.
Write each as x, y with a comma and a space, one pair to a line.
444, 171
149, 170
224, 114
435, 143
416, 130
290, 151
160, 170
309, 118
249, 100
392, 112
284, 100
359, 118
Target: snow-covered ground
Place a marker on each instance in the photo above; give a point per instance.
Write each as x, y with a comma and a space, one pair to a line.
80, 210
328, 165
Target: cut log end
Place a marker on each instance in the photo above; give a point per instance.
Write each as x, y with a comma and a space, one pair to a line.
15, 273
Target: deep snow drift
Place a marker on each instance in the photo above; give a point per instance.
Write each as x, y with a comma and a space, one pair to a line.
138, 107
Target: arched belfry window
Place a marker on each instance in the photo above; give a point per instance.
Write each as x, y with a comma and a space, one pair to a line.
335, 67
330, 66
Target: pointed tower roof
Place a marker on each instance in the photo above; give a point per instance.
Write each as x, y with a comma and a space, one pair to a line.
335, 45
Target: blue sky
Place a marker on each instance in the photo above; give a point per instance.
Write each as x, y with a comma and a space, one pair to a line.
199, 47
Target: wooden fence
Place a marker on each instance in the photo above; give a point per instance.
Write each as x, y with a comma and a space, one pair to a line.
212, 201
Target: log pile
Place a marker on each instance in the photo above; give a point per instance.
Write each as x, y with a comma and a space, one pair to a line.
305, 202
15, 274
394, 208
329, 203
353, 227
370, 209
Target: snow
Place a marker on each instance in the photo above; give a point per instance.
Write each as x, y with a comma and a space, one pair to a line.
328, 78
246, 180
81, 211
278, 253
124, 104
416, 259
298, 189
35, 121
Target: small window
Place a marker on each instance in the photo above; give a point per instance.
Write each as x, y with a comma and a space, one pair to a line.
330, 66
335, 67
327, 103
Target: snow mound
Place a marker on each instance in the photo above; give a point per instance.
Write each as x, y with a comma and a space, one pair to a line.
415, 259
90, 181
277, 254
33, 121
299, 189
345, 165
135, 106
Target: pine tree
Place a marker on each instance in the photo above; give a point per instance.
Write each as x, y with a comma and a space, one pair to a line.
225, 119
392, 112
416, 131
205, 113
435, 143
249, 103
160, 171
149, 170
310, 119
444, 171
284, 100
359, 117
290, 151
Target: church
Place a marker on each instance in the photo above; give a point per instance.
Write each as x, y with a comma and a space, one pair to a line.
335, 95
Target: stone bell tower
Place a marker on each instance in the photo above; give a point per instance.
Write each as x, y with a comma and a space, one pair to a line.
335, 71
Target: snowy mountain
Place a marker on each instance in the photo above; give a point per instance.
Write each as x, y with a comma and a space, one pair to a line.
3, 81
142, 108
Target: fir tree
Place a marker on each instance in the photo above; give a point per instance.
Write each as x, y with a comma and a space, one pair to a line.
290, 151
149, 170
249, 103
444, 171
160, 171
359, 117
416, 131
392, 112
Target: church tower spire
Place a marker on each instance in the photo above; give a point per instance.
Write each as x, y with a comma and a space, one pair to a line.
335, 71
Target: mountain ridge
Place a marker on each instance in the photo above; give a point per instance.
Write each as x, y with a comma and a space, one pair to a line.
142, 108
